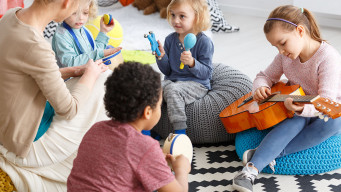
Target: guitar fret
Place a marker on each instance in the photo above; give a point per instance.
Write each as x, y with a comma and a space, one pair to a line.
296, 98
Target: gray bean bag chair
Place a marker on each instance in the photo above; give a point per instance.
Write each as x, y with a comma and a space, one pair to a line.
204, 125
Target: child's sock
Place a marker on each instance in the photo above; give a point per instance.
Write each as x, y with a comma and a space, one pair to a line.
180, 131
146, 132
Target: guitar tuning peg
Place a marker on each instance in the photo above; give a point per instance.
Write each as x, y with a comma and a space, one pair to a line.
321, 116
325, 119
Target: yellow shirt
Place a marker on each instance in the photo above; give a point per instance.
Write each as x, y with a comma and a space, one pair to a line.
29, 75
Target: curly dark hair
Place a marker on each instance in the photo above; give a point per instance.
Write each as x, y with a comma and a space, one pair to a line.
130, 89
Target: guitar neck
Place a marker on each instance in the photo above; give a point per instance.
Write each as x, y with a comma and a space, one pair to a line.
296, 98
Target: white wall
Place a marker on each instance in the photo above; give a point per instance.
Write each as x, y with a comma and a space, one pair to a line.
332, 7
327, 12
260, 8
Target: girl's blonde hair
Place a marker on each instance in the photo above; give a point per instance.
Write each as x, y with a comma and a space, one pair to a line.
92, 8
298, 16
200, 7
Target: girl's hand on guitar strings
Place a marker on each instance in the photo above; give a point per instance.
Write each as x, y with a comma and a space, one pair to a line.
291, 106
261, 93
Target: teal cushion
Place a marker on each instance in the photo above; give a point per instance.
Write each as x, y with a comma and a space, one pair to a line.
45, 121
319, 159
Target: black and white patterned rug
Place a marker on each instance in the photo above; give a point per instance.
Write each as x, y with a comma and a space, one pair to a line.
215, 165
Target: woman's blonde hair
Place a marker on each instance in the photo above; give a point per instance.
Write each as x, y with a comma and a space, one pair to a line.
202, 15
298, 16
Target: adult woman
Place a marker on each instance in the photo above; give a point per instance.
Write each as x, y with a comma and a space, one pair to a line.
29, 76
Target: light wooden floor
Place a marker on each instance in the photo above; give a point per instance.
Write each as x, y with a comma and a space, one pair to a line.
248, 50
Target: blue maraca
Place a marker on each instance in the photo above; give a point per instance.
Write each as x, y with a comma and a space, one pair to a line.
189, 42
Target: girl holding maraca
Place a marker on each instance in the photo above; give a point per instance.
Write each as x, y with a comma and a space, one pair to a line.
184, 85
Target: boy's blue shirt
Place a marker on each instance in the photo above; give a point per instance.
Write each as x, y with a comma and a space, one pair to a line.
202, 53
67, 52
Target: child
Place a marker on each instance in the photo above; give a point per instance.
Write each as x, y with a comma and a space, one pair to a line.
114, 155
183, 86
305, 59
74, 44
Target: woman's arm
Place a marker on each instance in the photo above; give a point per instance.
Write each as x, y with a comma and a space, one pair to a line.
68, 72
89, 72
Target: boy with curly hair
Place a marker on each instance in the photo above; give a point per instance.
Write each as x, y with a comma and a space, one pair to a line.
114, 155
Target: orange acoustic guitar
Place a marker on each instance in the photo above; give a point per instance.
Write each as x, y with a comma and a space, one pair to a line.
245, 113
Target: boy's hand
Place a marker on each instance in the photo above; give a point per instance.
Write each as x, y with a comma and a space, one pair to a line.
105, 28
261, 93
179, 164
291, 106
162, 50
187, 59
111, 51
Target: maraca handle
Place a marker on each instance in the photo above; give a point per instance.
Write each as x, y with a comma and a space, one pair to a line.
182, 65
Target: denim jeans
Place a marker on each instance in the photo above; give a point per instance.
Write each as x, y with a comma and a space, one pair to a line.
294, 135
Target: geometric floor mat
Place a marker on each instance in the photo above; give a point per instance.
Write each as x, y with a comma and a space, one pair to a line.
215, 165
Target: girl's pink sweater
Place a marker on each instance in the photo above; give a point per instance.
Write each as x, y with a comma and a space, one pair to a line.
320, 75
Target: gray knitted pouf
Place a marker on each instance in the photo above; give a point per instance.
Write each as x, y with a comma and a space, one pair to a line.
204, 125
106, 3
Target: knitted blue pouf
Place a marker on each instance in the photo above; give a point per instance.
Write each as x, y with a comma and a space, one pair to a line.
319, 159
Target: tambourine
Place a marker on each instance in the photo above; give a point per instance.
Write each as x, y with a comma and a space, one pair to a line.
113, 60
177, 144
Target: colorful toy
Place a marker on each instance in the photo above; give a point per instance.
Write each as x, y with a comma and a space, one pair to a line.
116, 34
154, 44
126, 2
108, 20
189, 42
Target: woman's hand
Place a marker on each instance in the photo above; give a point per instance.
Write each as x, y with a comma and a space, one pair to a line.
187, 59
111, 51
261, 93
91, 71
93, 67
291, 106
105, 28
